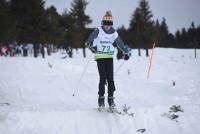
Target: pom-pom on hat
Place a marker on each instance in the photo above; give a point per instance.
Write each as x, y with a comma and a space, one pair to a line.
107, 18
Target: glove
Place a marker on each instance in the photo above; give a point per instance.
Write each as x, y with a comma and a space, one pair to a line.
92, 48
126, 57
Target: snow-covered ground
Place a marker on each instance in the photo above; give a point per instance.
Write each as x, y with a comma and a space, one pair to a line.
37, 99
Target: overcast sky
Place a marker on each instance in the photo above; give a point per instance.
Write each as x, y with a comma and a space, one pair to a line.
178, 13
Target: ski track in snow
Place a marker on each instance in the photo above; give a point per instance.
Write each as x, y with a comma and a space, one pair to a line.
37, 99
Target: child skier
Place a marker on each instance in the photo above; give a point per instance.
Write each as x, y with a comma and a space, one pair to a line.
101, 43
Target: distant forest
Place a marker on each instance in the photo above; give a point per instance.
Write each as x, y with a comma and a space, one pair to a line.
28, 21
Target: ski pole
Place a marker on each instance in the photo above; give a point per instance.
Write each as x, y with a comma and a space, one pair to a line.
150, 61
82, 74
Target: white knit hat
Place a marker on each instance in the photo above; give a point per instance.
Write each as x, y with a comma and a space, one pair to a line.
108, 16
107, 19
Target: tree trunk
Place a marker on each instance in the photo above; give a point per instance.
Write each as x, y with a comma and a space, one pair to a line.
42, 51
147, 52
48, 50
139, 52
195, 52
35, 50
84, 53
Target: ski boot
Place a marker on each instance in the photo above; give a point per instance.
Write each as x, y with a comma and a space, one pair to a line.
101, 103
111, 104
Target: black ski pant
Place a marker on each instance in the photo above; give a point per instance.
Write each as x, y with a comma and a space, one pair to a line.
105, 68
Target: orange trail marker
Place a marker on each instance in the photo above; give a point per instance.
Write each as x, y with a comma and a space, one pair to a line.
150, 60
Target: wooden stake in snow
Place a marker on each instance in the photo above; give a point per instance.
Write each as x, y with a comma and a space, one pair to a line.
150, 60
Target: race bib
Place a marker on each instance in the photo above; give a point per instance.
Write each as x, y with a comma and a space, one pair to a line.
105, 47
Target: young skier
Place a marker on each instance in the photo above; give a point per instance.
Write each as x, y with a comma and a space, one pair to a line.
102, 42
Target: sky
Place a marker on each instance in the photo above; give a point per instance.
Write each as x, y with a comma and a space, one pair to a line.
178, 13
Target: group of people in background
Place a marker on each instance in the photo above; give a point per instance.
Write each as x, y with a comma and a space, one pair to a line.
16, 50
4, 50
25, 50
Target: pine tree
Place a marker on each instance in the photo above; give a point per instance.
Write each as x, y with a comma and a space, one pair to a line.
29, 17
164, 34
183, 40
171, 40
81, 20
192, 35
197, 37
177, 39
135, 37
67, 23
54, 31
141, 25
6, 24
157, 32
124, 35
